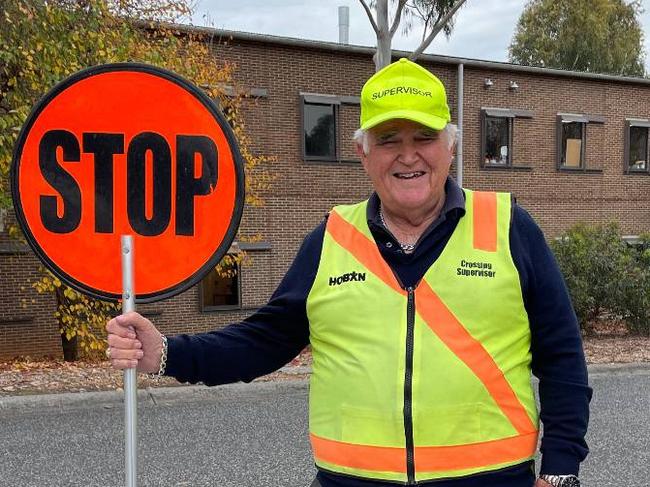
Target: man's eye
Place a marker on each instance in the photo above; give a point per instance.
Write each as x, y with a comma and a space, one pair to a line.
386, 141
426, 137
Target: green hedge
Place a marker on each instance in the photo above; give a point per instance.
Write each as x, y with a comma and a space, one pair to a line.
605, 274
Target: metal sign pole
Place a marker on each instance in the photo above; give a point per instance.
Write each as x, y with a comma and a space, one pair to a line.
130, 378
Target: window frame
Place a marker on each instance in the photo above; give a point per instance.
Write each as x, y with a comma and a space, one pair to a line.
484, 123
585, 120
203, 308
336, 101
629, 123
321, 100
511, 115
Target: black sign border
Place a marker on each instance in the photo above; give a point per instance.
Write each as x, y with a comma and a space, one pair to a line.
238, 161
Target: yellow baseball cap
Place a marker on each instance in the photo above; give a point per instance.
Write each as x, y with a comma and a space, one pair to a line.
404, 89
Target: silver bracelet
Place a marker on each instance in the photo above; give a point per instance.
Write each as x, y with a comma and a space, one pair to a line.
163, 360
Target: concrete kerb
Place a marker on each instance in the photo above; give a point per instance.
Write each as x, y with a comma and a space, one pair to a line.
154, 396
638, 368
150, 396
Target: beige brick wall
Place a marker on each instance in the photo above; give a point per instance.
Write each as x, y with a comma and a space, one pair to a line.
304, 191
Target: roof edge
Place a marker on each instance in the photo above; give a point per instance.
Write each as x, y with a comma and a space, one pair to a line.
366, 50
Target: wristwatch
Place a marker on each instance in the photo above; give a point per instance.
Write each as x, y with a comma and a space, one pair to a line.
561, 480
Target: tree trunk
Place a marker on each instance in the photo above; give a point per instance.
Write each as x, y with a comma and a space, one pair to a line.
383, 55
70, 349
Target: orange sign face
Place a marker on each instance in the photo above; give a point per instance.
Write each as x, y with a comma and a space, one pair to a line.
128, 149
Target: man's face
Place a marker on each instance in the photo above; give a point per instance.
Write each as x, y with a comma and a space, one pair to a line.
408, 164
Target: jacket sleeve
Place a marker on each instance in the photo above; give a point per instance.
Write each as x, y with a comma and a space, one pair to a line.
557, 355
260, 344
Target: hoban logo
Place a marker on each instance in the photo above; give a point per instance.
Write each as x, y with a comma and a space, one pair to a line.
349, 277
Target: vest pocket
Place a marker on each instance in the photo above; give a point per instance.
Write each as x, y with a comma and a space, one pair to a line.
447, 425
372, 426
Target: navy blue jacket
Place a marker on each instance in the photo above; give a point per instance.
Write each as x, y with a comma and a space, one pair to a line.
277, 332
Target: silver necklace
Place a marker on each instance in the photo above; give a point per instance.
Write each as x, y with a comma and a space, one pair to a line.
406, 248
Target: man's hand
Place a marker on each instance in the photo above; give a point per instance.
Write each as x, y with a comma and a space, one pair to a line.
542, 483
133, 341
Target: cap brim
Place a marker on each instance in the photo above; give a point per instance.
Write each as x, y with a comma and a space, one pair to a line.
431, 121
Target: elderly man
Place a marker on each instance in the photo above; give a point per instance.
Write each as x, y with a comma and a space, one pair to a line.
426, 307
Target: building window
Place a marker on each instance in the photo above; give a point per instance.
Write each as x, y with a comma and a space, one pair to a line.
319, 125
498, 146
572, 140
221, 288
497, 135
636, 146
328, 123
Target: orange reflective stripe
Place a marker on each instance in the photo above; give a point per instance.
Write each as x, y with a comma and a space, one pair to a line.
453, 334
362, 248
427, 458
475, 455
364, 457
485, 221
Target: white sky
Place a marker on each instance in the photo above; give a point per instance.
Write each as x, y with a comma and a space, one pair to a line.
483, 28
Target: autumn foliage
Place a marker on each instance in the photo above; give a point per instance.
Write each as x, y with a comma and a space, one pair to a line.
44, 42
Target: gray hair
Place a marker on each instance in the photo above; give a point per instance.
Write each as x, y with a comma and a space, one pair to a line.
361, 137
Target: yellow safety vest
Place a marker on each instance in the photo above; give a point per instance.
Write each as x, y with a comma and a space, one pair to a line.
424, 383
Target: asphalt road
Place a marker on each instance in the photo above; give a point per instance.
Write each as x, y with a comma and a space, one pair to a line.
254, 436
619, 429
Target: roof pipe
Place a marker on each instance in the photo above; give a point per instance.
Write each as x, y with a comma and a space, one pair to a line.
344, 24
459, 139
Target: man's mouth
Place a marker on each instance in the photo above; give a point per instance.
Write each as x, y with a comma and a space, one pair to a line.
409, 175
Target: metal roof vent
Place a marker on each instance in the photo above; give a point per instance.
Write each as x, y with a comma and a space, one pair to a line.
344, 25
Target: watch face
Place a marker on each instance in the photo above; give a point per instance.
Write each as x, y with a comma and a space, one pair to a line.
570, 482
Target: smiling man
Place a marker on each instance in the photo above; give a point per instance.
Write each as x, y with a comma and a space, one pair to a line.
426, 306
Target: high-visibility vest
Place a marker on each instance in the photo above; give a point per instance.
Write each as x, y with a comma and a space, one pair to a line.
423, 383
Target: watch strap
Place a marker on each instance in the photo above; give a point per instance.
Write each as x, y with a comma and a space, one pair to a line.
561, 480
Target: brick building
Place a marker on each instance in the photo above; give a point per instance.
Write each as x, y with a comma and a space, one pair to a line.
570, 146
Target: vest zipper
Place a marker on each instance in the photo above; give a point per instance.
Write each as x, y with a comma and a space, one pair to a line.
408, 387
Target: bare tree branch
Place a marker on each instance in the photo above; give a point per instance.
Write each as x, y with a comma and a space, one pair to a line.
420, 13
436, 29
398, 17
369, 12
424, 15
430, 22
575, 61
438, 19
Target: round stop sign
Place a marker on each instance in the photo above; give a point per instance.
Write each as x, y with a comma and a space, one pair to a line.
128, 149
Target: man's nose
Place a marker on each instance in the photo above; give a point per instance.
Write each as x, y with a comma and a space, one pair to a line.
408, 154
